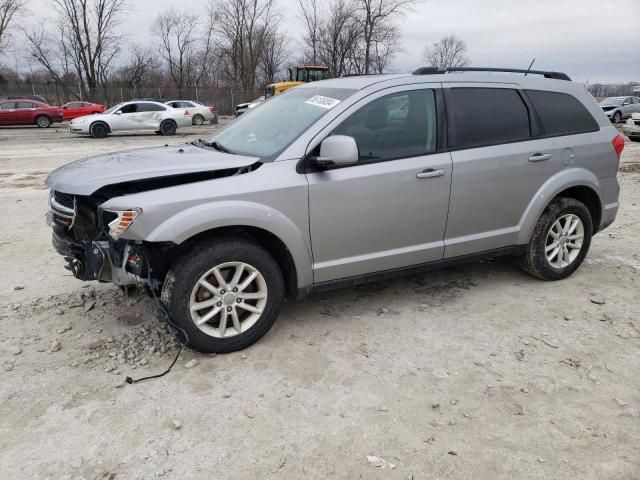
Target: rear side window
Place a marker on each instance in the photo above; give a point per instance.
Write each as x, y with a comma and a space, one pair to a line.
150, 107
561, 114
486, 116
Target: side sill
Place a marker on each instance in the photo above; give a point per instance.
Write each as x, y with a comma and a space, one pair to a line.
303, 292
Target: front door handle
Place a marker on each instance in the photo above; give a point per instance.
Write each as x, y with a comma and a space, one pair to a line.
431, 173
539, 157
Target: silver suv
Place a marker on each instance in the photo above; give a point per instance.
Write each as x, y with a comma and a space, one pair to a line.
339, 182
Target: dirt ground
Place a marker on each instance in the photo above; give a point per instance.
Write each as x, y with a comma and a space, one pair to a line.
474, 372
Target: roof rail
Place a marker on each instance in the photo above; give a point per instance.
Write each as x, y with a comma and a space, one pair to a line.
437, 70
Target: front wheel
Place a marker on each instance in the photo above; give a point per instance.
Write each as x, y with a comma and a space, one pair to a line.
99, 130
168, 128
224, 295
560, 240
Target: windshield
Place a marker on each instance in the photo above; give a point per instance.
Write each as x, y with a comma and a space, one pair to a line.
114, 108
266, 131
612, 101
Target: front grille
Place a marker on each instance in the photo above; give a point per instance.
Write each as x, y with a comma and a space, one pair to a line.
62, 209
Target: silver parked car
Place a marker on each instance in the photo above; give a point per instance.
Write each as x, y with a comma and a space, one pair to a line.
134, 116
199, 113
620, 108
339, 182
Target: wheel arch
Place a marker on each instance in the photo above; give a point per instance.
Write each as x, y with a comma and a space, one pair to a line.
267, 240
578, 183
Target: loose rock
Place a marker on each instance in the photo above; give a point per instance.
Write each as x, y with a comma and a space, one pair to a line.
15, 350
64, 329
55, 346
379, 462
18, 287
191, 363
599, 300
177, 424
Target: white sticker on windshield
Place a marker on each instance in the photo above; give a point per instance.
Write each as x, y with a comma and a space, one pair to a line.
324, 102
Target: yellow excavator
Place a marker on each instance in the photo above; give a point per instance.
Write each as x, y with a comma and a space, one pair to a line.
304, 74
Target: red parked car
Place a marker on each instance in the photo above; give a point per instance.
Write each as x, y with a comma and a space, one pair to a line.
28, 112
73, 110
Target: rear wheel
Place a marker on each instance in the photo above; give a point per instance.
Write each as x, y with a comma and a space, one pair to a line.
617, 117
198, 119
99, 130
168, 128
560, 240
43, 121
225, 295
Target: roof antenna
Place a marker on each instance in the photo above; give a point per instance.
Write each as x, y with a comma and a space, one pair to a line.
530, 65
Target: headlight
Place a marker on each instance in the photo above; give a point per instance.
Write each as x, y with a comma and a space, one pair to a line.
123, 221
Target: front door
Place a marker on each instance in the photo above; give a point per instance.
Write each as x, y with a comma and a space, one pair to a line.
390, 209
127, 119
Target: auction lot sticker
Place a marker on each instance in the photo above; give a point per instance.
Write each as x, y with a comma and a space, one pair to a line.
324, 102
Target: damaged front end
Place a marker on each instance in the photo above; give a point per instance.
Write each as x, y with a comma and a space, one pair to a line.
85, 235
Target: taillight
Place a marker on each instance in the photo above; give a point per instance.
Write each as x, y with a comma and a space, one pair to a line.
213, 109
618, 145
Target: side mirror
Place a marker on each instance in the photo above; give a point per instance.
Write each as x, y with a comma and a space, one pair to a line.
119, 112
337, 150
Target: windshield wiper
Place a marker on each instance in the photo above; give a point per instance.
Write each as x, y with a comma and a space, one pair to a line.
218, 146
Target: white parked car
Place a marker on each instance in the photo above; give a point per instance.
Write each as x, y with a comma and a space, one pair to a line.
199, 113
245, 107
132, 117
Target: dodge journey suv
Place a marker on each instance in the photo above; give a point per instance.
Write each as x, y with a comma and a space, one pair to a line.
339, 182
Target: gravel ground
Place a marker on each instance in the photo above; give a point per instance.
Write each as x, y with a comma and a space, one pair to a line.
477, 371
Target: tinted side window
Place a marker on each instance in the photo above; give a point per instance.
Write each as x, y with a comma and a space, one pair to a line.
394, 126
486, 116
130, 108
25, 105
150, 107
7, 106
561, 114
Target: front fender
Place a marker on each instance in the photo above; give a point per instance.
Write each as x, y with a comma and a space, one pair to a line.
572, 177
208, 216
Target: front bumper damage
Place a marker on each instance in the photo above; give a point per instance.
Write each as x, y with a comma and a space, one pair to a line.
94, 256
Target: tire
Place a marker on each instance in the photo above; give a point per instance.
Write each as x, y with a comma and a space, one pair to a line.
617, 117
182, 288
42, 121
536, 261
99, 130
197, 119
168, 127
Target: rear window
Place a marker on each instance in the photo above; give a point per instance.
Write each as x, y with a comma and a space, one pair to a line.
486, 116
561, 114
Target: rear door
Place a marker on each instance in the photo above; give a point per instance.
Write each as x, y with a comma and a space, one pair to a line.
390, 209
24, 113
150, 115
498, 165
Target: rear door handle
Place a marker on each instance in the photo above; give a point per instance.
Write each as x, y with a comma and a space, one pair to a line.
431, 173
539, 157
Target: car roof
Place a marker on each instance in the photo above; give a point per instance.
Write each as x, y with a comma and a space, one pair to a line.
361, 82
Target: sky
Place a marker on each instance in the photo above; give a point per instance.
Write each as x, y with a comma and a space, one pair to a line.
591, 40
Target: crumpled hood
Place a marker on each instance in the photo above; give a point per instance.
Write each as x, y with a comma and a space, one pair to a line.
83, 177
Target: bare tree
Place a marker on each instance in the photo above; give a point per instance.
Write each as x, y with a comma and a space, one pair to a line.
448, 52
137, 71
339, 36
387, 44
274, 56
9, 9
178, 34
85, 41
242, 27
373, 14
310, 13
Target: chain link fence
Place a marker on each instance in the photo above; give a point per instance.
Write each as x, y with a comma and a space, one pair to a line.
224, 99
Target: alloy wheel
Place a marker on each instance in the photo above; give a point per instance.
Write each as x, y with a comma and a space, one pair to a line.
564, 241
228, 299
